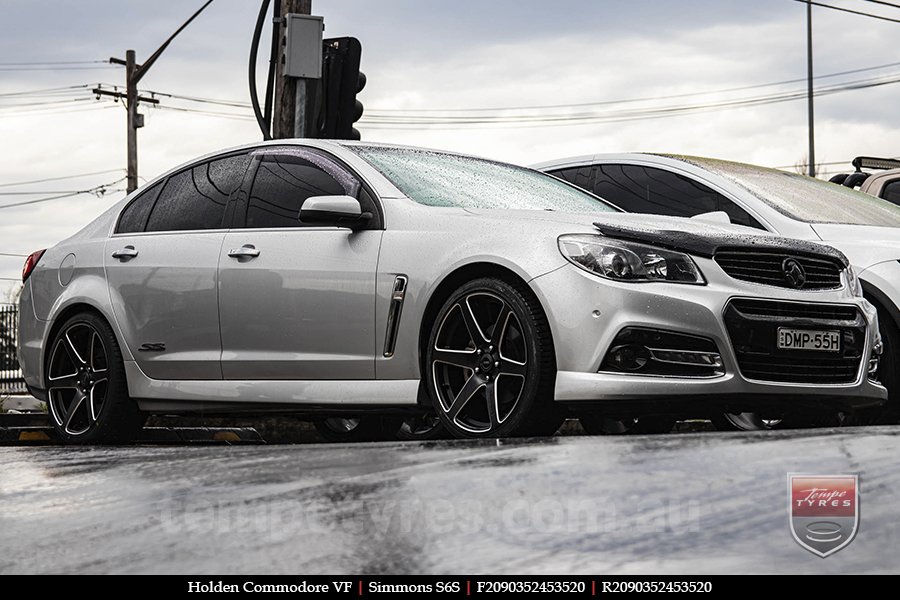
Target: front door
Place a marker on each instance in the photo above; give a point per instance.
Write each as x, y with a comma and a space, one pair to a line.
298, 302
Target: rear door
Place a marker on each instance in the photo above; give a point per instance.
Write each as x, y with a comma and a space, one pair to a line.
298, 301
162, 263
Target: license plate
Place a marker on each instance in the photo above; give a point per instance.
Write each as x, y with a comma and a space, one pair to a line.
806, 339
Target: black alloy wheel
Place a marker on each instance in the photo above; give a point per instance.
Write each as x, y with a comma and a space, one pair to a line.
86, 388
490, 363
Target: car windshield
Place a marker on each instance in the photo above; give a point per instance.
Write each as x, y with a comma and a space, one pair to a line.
442, 179
805, 198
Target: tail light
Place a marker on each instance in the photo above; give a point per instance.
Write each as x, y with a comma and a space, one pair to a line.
30, 263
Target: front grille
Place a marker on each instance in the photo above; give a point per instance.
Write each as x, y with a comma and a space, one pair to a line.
768, 267
753, 328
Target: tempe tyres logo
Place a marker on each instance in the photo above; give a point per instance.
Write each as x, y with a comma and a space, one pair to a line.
824, 511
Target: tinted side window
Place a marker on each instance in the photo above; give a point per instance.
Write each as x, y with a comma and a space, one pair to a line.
196, 198
580, 176
654, 191
891, 192
134, 217
282, 185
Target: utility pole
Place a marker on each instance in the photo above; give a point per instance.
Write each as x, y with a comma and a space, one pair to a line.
133, 75
809, 91
292, 115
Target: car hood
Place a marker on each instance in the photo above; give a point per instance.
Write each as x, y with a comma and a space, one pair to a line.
693, 236
864, 245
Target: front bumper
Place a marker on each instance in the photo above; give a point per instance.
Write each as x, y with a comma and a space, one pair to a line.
586, 312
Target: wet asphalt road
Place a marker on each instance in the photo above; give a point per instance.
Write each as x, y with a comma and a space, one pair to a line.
685, 503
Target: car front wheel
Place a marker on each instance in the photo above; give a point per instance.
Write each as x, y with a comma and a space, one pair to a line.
490, 363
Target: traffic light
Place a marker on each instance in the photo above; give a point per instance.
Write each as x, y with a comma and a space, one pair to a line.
341, 82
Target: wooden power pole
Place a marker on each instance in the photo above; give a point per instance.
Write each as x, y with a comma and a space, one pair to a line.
292, 114
133, 75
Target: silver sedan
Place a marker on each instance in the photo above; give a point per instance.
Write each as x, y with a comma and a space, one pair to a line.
361, 285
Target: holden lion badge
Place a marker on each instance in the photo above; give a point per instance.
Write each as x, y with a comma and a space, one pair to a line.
824, 511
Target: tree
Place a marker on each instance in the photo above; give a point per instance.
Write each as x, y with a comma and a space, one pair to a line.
802, 166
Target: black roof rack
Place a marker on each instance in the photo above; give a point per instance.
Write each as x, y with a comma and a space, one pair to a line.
870, 162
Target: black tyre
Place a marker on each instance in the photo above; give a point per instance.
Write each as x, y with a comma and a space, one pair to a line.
350, 429
490, 364
747, 421
418, 428
597, 424
87, 391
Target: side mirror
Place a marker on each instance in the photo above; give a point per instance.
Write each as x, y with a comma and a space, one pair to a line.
344, 211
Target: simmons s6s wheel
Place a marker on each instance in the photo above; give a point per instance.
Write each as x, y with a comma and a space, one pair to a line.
490, 363
86, 388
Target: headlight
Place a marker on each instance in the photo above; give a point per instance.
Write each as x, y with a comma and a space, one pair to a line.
628, 261
853, 282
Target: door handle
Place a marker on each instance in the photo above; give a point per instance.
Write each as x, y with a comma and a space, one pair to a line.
125, 254
247, 251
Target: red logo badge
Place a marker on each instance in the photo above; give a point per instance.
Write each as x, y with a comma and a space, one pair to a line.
824, 511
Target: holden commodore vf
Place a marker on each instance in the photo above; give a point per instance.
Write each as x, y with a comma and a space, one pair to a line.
866, 229
349, 282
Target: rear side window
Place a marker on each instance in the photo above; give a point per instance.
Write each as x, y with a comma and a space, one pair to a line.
648, 190
580, 176
891, 192
283, 183
134, 217
196, 198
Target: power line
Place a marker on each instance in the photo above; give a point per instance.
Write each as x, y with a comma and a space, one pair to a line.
44, 103
644, 99
55, 110
9, 279
210, 113
45, 90
849, 10
50, 62
882, 2
61, 177
538, 120
98, 191
60, 68
39, 193
217, 101
13, 255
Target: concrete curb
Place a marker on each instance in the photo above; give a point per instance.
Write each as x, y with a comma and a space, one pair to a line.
22, 403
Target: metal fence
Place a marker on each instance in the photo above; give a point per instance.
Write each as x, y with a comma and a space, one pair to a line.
11, 381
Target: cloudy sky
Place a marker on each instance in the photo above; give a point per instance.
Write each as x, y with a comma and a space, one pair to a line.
500, 55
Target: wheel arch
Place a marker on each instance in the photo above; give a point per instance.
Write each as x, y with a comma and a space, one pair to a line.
450, 283
64, 314
881, 301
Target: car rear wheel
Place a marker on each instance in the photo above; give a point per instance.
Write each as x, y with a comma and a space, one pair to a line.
490, 363
87, 391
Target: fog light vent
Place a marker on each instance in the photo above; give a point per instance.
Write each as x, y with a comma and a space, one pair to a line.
656, 352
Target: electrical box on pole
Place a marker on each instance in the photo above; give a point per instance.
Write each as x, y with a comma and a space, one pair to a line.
303, 46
